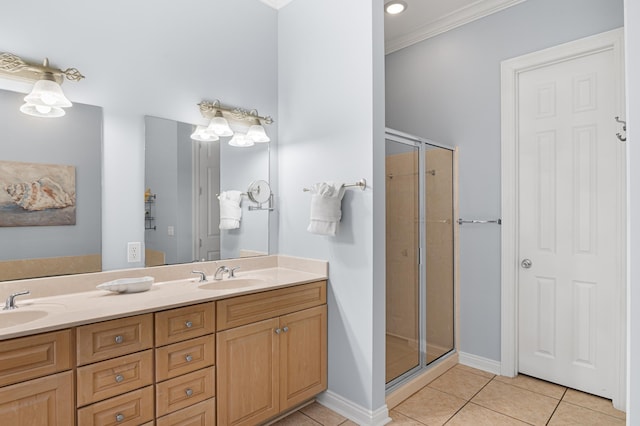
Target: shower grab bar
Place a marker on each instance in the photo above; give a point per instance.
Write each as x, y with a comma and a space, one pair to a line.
497, 221
362, 183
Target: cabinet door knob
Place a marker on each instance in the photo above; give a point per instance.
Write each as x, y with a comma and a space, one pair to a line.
285, 328
119, 339
277, 330
119, 417
188, 324
119, 378
189, 358
189, 392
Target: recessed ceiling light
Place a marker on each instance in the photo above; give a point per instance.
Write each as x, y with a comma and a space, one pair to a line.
395, 7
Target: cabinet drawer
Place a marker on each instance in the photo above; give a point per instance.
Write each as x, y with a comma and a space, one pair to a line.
185, 357
34, 356
114, 377
44, 401
133, 408
243, 310
104, 340
185, 390
200, 414
185, 323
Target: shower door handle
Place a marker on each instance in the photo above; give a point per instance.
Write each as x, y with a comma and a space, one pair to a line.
526, 263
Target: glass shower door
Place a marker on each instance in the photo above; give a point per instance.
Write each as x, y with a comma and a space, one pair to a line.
402, 253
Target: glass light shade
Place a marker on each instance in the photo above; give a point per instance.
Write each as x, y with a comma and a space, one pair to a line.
241, 140
219, 127
257, 134
201, 134
47, 93
395, 7
42, 111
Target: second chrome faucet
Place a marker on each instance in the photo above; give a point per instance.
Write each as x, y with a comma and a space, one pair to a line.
221, 271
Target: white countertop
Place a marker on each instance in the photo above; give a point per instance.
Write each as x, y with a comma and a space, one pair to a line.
74, 309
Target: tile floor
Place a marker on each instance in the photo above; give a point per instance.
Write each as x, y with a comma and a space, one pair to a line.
466, 396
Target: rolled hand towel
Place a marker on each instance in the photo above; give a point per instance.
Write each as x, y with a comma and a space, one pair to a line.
230, 211
326, 199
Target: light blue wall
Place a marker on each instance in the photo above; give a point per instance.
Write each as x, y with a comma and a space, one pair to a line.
447, 88
332, 128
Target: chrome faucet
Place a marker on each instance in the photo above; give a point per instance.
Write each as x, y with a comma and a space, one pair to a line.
11, 300
220, 272
203, 276
232, 272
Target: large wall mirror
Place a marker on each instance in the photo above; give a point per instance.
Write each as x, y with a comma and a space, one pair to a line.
183, 178
49, 239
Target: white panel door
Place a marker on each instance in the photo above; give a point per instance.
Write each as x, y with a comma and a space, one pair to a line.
570, 231
208, 175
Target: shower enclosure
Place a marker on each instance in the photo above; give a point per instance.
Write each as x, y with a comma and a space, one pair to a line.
420, 299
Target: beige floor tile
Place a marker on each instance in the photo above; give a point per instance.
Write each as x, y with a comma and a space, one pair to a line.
516, 402
430, 406
534, 385
569, 414
296, 419
593, 402
472, 414
398, 419
474, 371
348, 423
460, 383
323, 415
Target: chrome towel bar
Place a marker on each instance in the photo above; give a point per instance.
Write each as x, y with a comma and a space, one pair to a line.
362, 183
497, 221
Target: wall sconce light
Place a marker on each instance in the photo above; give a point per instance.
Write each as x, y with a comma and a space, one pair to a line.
46, 98
219, 126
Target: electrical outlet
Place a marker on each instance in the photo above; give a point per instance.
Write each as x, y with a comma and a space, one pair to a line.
133, 252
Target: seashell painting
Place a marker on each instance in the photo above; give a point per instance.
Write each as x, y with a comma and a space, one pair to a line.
37, 194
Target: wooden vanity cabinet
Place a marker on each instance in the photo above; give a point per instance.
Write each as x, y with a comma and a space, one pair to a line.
275, 355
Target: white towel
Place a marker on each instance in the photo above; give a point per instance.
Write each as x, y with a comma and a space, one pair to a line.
230, 211
326, 198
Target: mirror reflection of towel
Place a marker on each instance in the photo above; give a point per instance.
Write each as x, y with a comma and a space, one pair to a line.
230, 211
326, 199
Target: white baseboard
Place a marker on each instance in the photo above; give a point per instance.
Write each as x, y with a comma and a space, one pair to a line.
481, 363
353, 411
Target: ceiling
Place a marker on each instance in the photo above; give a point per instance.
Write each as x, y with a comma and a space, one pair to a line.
427, 18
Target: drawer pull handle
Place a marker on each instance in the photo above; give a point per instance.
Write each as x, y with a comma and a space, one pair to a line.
285, 329
189, 392
188, 324
119, 378
119, 417
189, 358
277, 330
119, 339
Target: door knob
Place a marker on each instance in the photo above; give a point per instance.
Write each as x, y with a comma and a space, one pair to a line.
526, 263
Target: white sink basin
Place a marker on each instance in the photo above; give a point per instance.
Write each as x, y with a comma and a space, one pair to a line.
231, 283
17, 317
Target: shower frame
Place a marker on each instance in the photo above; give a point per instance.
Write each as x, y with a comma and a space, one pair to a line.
413, 379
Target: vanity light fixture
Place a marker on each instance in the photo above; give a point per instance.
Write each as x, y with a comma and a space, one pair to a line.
219, 126
395, 7
201, 134
46, 99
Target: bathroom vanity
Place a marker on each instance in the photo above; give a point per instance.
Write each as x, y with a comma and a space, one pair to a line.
238, 351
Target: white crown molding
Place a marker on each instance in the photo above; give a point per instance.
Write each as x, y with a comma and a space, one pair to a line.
474, 11
276, 4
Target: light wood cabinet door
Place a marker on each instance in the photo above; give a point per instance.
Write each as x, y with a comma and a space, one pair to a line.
131, 409
303, 356
109, 339
114, 377
185, 390
185, 357
200, 414
247, 363
30, 357
176, 325
47, 401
